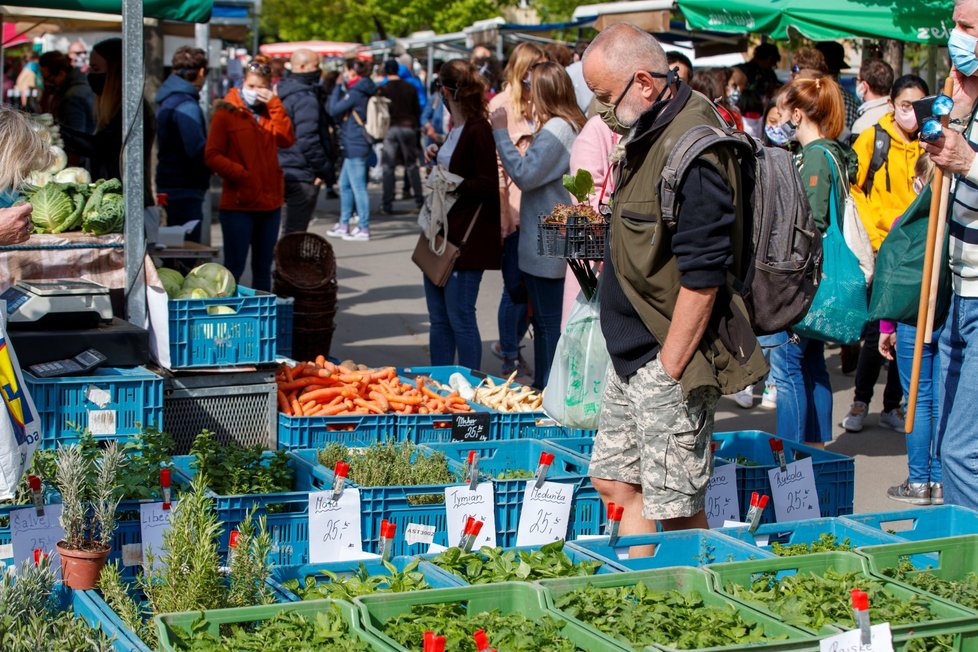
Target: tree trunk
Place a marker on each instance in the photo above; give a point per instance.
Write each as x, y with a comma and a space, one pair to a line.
893, 55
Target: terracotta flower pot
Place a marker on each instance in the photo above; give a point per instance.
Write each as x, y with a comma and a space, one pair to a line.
79, 568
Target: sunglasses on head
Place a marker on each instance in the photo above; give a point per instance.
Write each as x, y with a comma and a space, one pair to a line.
262, 69
528, 76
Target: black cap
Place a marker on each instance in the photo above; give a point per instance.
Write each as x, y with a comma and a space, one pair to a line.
391, 67
835, 55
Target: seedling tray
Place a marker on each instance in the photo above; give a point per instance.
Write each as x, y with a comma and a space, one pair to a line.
808, 532
923, 523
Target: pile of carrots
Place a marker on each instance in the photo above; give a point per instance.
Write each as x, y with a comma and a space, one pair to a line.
321, 388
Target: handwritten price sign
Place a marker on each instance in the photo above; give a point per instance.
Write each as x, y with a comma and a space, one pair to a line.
28, 531
334, 527
794, 493
721, 496
153, 522
881, 641
545, 513
461, 503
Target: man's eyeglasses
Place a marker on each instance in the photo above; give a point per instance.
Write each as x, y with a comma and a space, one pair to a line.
262, 69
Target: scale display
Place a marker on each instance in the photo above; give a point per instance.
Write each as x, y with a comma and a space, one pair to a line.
30, 301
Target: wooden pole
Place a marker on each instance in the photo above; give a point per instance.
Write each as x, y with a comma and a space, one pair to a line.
937, 198
935, 274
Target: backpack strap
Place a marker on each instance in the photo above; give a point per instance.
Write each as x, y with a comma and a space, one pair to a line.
881, 152
687, 149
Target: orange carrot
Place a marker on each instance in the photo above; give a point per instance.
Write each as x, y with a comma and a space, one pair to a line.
367, 405
321, 360
302, 382
325, 393
296, 408
283, 403
332, 410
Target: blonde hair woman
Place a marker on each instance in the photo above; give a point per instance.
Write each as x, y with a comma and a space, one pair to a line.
515, 101
21, 152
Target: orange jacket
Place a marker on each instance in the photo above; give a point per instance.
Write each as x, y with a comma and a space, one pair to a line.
244, 153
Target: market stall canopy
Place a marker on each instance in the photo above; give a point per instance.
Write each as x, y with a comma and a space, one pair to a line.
322, 48
923, 21
191, 11
12, 36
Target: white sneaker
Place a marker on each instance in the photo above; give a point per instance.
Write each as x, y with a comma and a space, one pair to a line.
853, 422
769, 399
339, 230
357, 235
893, 419
745, 397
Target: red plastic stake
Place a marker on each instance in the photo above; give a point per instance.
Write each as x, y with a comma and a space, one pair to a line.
387, 532
233, 540
439, 644
340, 470
39, 555
428, 643
546, 459
757, 505
473, 534
611, 514
615, 524
777, 448
469, 522
165, 484
473, 470
38, 497
481, 640
860, 611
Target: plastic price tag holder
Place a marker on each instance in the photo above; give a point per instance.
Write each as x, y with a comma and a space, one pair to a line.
166, 486
428, 641
610, 518
387, 540
545, 513
469, 522
39, 555
473, 534
615, 525
340, 470
461, 503
546, 459
36, 495
438, 645
757, 505
473, 470
860, 613
794, 492
481, 640
881, 640
777, 449
721, 496
473, 426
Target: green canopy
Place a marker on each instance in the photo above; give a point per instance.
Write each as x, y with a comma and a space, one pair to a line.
919, 21
189, 11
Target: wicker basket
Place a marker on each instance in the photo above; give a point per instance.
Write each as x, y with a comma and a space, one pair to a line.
575, 240
307, 343
303, 262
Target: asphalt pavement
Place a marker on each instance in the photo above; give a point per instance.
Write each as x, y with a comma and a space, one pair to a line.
382, 320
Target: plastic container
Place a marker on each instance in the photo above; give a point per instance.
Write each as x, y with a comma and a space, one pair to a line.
167, 624
582, 446
285, 309
834, 473
112, 403
923, 523
808, 532
434, 576
548, 429
950, 619
506, 597
574, 554
201, 339
87, 609
297, 433
675, 579
681, 548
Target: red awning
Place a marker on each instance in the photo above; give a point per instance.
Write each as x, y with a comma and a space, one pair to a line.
11, 37
322, 48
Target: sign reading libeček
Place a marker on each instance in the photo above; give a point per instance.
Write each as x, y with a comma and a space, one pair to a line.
29, 532
153, 522
545, 513
721, 496
472, 426
794, 493
461, 503
334, 527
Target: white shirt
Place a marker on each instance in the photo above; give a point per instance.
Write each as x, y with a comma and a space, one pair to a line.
445, 152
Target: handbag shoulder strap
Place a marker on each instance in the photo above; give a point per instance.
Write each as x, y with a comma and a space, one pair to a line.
471, 224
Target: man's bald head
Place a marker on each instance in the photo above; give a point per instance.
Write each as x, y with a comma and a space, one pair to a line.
304, 60
622, 50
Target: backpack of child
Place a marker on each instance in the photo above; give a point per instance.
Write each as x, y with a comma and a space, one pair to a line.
779, 287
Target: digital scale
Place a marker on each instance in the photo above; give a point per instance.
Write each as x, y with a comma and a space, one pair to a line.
57, 302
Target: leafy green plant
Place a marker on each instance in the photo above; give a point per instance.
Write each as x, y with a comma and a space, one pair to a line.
637, 614
825, 543
490, 565
515, 474
287, 631
741, 460
580, 185
347, 587
389, 464
963, 591
88, 505
233, 469
512, 632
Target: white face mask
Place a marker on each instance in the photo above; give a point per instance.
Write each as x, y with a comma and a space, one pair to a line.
249, 95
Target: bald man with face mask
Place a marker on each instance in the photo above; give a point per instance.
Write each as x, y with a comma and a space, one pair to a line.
307, 163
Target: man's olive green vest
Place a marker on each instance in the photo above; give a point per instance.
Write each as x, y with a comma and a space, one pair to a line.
729, 356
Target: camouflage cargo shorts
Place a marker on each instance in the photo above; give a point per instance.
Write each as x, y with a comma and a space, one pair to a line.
650, 434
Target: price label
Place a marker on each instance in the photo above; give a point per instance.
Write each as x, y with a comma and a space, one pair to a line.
545, 513
881, 641
470, 427
461, 503
419, 533
28, 532
132, 554
98, 396
721, 496
334, 527
794, 493
153, 522
102, 422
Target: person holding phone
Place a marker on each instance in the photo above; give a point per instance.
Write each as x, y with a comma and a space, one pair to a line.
248, 127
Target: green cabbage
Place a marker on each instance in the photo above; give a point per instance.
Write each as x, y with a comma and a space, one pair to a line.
73, 175
109, 217
52, 209
192, 293
172, 281
215, 279
221, 310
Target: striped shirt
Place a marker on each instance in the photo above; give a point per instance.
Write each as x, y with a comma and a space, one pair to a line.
963, 226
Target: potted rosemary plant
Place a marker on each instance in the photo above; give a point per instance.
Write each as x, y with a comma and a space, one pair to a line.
88, 510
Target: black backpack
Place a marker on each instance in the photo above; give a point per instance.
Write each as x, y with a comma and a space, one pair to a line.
881, 150
786, 245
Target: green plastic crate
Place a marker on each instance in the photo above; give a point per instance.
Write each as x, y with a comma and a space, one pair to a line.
680, 579
167, 623
949, 559
507, 597
951, 619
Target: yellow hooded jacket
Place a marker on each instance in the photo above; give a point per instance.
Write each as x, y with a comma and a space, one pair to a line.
880, 209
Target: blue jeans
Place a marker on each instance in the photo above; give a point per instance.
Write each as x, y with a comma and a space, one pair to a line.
184, 205
547, 300
353, 190
804, 392
454, 328
922, 461
512, 319
257, 230
959, 429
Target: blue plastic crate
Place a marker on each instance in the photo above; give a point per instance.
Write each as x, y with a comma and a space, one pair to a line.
135, 401
281, 574
834, 473
808, 531
200, 339
557, 432
437, 428
285, 310
297, 433
933, 522
582, 446
682, 548
574, 554
82, 605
